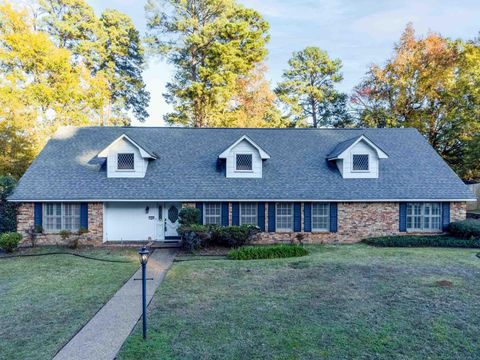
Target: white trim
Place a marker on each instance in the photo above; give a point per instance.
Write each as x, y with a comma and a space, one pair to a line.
145, 154
263, 154
242, 200
381, 154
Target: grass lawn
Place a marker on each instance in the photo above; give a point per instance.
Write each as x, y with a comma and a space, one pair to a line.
45, 300
340, 302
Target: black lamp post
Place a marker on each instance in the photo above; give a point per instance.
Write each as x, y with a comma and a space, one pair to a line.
143, 253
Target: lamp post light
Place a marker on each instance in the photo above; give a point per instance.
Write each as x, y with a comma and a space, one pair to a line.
143, 253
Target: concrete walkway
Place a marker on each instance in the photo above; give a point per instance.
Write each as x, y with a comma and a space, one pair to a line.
102, 337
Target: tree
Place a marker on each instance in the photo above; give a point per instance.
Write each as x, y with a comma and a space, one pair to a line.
308, 90
8, 210
211, 44
40, 89
109, 44
430, 84
253, 103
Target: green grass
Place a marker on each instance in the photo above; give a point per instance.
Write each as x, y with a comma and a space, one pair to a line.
339, 302
45, 300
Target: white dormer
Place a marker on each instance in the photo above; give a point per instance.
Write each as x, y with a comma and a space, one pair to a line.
125, 158
244, 159
358, 158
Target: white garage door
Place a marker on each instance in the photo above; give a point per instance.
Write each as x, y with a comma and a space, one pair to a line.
130, 221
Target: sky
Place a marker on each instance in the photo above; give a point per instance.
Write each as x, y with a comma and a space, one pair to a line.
359, 32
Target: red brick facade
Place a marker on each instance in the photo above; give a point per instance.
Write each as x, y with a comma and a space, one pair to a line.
356, 221
94, 236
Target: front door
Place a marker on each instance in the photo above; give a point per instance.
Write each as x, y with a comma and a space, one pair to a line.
169, 220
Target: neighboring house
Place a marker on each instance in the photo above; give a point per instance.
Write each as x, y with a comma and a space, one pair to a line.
474, 206
129, 183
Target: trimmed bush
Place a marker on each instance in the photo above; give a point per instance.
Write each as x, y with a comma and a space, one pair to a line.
189, 216
422, 241
9, 241
465, 229
233, 236
194, 236
267, 252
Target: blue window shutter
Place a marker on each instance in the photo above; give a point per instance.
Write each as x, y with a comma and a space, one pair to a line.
307, 217
271, 217
445, 215
403, 217
235, 214
84, 216
37, 214
225, 214
261, 216
199, 206
333, 217
297, 217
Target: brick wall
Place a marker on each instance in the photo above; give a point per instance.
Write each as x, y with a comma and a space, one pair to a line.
356, 221
94, 236
458, 211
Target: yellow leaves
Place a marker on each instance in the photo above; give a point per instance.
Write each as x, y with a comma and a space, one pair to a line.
41, 88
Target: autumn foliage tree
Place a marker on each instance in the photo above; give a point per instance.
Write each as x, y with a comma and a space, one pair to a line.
430, 84
40, 89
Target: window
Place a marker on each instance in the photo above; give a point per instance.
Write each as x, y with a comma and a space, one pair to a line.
320, 217
248, 214
244, 162
424, 217
360, 163
284, 217
125, 161
60, 216
212, 214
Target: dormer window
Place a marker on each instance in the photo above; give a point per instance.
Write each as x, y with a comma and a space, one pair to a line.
125, 161
126, 158
358, 158
244, 159
244, 162
360, 162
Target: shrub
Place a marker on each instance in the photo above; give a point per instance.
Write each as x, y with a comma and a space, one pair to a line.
233, 236
465, 229
32, 234
189, 216
194, 236
267, 252
422, 241
10, 240
65, 234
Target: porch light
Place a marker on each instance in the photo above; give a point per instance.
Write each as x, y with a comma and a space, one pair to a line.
143, 253
147, 209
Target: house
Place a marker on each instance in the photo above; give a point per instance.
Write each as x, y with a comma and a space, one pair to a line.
129, 183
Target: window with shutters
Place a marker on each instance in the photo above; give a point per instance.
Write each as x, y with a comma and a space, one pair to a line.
212, 214
248, 214
125, 161
61, 216
284, 217
244, 162
424, 217
320, 216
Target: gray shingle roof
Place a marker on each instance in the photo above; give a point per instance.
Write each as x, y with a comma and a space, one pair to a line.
188, 167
